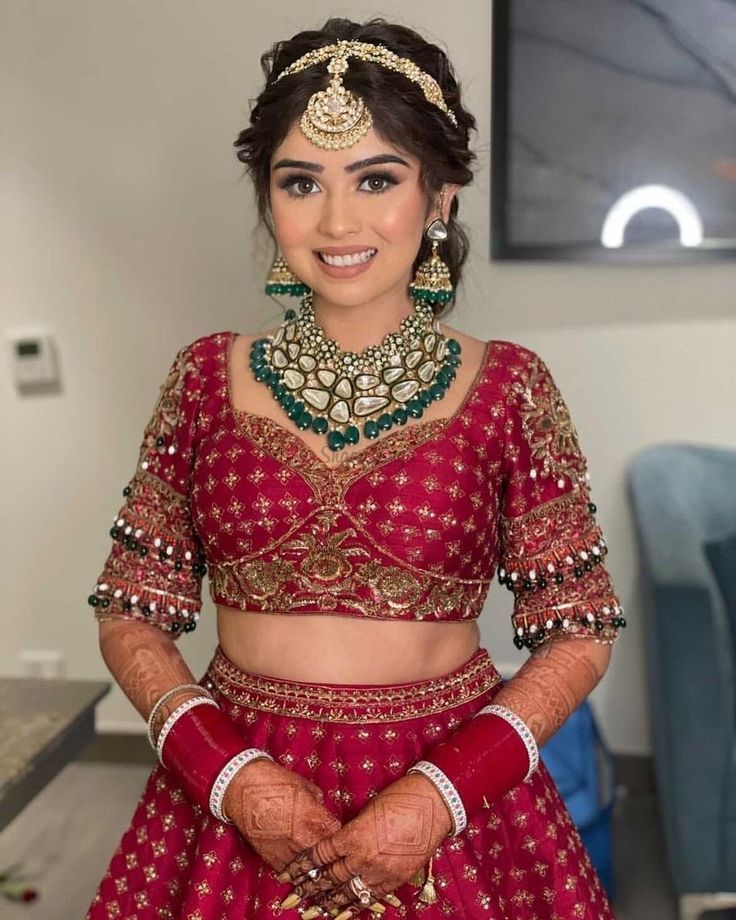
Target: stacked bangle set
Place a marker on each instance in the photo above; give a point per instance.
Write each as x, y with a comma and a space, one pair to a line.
204, 769
486, 757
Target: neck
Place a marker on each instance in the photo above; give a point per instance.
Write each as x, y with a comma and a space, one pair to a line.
355, 327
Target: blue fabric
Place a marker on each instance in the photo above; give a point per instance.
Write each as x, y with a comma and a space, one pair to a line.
721, 555
683, 496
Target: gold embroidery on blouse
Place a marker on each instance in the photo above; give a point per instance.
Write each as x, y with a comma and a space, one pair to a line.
546, 424
156, 506
173, 498
543, 509
168, 412
559, 524
324, 578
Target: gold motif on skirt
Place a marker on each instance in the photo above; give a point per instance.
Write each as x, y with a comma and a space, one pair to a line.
353, 705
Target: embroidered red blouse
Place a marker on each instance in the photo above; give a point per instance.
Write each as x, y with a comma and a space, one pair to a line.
413, 527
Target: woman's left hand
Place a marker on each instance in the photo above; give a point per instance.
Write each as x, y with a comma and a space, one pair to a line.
385, 844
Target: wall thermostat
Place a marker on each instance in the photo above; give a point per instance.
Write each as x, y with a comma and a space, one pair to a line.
35, 366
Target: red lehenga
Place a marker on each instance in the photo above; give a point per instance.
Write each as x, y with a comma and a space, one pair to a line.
413, 527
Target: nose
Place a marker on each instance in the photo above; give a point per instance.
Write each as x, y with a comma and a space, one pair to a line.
339, 216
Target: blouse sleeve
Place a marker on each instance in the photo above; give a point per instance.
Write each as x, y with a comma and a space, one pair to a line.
551, 548
154, 569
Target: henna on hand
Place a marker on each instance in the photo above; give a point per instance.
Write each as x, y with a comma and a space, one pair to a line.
553, 682
392, 837
279, 812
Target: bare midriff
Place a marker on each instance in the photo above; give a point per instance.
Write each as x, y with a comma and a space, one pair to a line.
332, 649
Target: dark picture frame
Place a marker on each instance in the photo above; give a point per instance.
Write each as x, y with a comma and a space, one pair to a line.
600, 201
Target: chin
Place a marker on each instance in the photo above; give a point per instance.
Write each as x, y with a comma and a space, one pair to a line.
355, 292
346, 294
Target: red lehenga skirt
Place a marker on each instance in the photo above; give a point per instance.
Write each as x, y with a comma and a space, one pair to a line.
519, 859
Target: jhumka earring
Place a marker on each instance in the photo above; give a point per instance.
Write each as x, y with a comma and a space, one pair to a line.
282, 280
432, 278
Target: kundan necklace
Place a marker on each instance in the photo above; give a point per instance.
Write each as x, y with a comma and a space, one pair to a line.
332, 392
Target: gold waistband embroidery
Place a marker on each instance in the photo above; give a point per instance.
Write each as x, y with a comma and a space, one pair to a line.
352, 704
327, 576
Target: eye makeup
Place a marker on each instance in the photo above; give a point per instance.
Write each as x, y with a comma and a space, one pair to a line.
292, 179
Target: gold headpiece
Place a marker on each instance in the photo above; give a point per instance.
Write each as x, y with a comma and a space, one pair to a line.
336, 118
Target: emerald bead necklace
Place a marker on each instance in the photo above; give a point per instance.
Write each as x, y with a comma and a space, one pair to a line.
334, 392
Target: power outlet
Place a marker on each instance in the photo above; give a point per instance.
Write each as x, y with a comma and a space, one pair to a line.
46, 663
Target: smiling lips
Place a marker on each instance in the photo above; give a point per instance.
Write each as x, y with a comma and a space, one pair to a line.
347, 259
347, 263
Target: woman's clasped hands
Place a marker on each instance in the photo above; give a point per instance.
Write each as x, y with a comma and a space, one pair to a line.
278, 811
367, 858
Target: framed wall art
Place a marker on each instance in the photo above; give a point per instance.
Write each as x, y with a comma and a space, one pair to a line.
614, 130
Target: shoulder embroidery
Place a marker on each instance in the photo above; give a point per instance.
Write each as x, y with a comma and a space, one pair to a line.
168, 412
546, 424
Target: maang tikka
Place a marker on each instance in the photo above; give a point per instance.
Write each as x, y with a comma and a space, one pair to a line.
320, 386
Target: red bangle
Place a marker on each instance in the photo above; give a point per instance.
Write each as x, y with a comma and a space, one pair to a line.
198, 746
483, 760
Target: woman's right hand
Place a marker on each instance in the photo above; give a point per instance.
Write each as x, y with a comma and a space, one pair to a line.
279, 812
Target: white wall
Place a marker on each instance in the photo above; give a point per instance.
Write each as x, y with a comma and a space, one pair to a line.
128, 233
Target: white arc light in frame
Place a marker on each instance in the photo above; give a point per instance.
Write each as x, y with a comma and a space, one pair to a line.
652, 196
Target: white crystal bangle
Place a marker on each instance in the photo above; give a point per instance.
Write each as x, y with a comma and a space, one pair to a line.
176, 714
448, 792
224, 777
522, 728
166, 696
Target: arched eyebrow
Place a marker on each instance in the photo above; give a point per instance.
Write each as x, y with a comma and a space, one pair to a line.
351, 168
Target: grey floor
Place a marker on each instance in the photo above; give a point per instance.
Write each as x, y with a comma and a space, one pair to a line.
66, 836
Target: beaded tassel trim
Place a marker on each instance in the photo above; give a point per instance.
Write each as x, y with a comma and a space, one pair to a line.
448, 792
542, 581
516, 722
219, 787
573, 559
177, 551
153, 573
116, 598
599, 619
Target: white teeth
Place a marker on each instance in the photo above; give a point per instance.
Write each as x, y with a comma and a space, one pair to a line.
354, 259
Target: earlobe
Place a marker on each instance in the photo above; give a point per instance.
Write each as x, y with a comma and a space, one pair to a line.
440, 205
446, 195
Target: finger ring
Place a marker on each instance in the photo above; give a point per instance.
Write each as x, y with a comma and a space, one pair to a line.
360, 890
315, 872
303, 862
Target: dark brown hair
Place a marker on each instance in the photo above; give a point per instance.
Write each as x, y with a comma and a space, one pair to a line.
401, 115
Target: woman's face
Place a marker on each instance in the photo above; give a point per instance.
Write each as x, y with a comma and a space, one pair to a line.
330, 201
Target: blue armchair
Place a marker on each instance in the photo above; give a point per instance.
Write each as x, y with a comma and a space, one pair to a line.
683, 496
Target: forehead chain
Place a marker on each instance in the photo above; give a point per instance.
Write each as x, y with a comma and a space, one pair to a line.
336, 117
